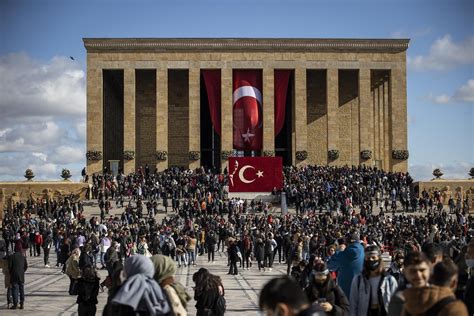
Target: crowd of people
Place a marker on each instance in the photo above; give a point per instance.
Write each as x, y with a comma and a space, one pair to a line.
345, 220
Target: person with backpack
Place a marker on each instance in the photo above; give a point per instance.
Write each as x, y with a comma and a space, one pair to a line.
209, 294
372, 290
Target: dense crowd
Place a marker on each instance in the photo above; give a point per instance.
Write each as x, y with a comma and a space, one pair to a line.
345, 220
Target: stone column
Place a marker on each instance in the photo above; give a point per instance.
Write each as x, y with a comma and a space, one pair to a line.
366, 115
386, 126
333, 105
95, 113
301, 129
129, 117
268, 110
162, 115
226, 113
399, 116
194, 114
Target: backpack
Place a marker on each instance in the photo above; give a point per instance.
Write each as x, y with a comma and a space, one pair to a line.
436, 308
219, 306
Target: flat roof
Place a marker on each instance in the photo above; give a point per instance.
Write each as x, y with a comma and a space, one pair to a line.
246, 44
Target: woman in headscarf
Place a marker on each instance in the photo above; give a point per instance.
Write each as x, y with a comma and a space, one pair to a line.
73, 271
206, 292
139, 294
165, 271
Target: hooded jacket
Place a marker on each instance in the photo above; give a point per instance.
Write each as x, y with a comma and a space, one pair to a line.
419, 300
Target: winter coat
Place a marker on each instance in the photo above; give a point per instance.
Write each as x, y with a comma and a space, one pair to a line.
17, 265
87, 291
174, 300
333, 295
361, 292
72, 268
419, 300
6, 272
469, 295
347, 263
259, 252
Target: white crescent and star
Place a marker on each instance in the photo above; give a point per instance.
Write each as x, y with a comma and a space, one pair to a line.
242, 170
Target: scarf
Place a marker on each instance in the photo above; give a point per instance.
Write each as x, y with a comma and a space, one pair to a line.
139, 290
165, 267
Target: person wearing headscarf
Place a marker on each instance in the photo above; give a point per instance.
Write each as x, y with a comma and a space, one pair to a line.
139, 294
165, 271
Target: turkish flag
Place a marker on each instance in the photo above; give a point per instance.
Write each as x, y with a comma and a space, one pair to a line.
247, 109
255, 174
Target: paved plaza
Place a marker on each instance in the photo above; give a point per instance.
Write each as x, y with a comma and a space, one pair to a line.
46, 289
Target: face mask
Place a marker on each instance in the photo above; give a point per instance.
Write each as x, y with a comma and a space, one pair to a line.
373, 265
470, 263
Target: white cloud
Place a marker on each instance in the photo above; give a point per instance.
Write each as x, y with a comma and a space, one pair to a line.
67, 155
407, 34
30, 88
464, 94
42, 116
444, 54
423, 172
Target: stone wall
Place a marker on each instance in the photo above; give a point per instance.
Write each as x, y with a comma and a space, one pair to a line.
12, 192
449, 188
370, 115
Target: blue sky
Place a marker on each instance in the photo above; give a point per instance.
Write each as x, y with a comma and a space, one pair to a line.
42, 91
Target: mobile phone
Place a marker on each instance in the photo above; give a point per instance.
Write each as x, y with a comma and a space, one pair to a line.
322, 300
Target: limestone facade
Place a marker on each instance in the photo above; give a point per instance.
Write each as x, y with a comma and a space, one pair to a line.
349, 95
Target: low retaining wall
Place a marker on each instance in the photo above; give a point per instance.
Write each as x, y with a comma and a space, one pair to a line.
12, 192
449, 188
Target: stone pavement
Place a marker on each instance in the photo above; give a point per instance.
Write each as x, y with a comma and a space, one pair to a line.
46, 288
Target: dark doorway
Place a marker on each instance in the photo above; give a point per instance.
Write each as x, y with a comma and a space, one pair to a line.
210, 140
283, 141
145, 118
113, 116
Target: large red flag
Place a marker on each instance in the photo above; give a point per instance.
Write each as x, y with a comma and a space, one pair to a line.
247, 109
212, 80
255, 174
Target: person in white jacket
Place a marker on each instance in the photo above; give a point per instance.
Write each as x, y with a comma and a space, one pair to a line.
372, 290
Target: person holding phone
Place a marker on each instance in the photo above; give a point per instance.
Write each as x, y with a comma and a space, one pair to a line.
324, 293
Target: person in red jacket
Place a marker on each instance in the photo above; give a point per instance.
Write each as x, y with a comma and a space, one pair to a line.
38, 243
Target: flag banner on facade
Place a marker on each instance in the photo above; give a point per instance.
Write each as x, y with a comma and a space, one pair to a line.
282, 77
212, 81
247, 109
255, 174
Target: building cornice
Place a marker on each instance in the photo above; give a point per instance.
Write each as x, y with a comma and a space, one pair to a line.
245, 44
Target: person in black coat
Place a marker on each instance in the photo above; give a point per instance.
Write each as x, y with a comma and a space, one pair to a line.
206, 292
87, 291
233, 256
17, 266
325, 293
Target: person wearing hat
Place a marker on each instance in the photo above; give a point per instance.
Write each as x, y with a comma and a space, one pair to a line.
324, 292
348, 262
372, 290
